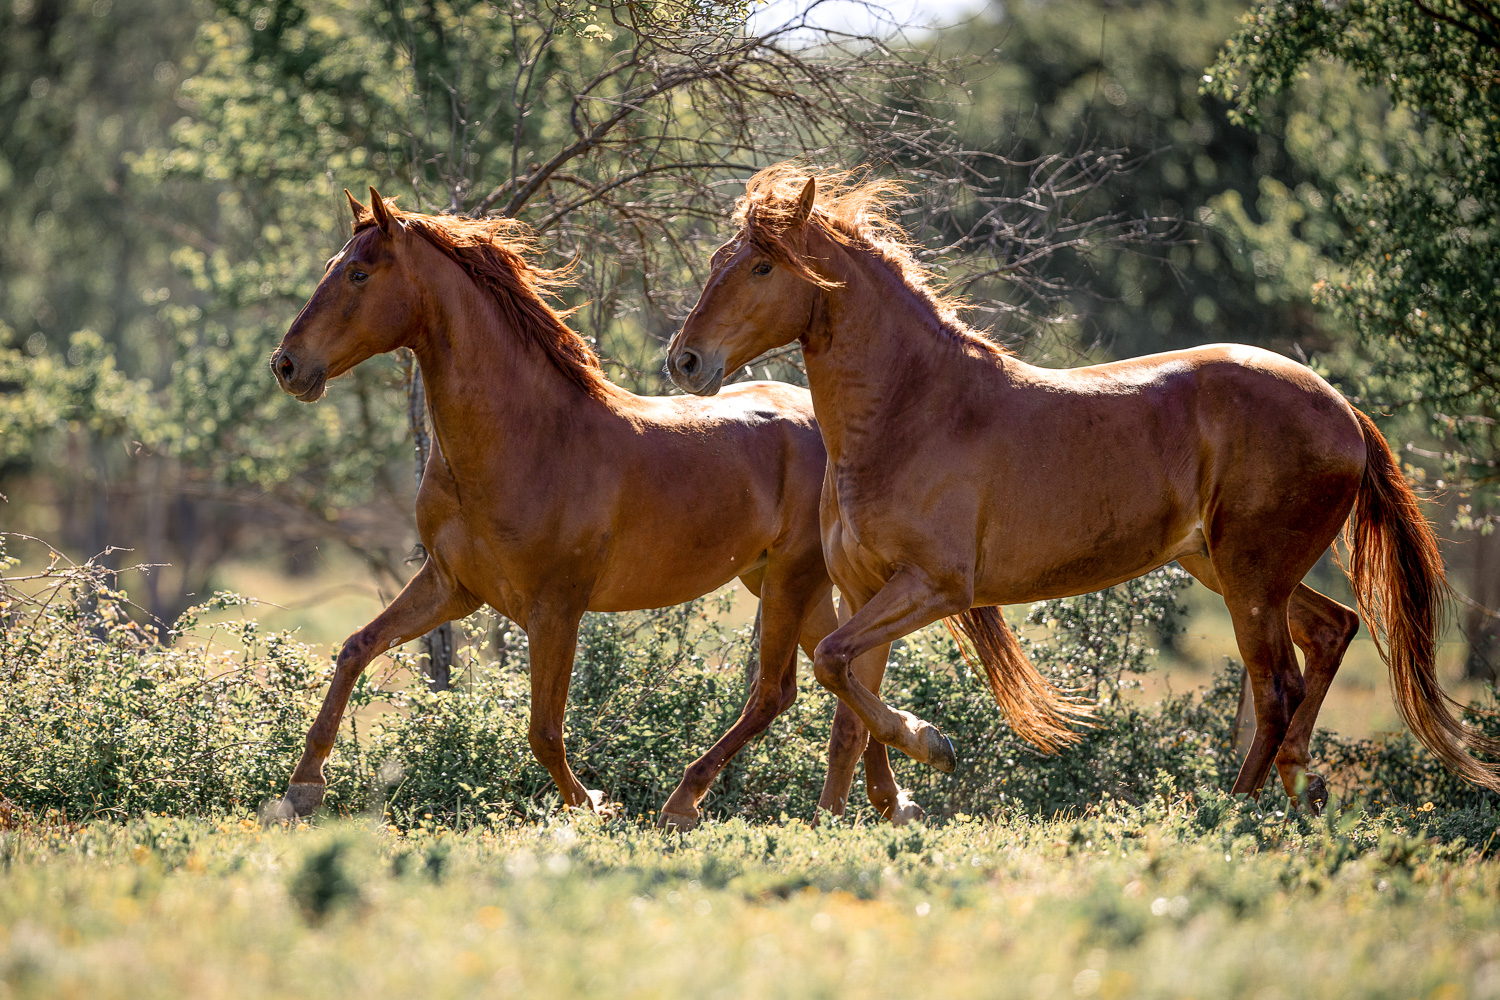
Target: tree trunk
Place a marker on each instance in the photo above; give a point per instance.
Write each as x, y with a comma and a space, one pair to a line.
1480, 622
437, 646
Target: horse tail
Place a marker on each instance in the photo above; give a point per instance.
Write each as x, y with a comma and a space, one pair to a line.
1402, 592
1038, 712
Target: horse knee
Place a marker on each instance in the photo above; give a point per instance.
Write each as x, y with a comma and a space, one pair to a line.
831, 668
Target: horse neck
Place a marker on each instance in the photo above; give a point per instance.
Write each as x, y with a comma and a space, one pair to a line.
873, 345
481, 377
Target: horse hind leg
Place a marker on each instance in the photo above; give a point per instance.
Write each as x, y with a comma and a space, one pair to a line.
1265, 642
785, 604
1322, 628
1260, 629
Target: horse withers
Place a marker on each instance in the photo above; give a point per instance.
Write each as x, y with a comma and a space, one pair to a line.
961, 478
552, 492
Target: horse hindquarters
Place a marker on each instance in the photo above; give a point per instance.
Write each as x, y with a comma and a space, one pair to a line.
1274, 502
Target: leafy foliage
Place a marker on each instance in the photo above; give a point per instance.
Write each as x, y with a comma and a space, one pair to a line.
1412, 191
103, 720
1126, 76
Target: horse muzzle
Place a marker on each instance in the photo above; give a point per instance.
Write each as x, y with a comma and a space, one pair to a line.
693, 373
304, 381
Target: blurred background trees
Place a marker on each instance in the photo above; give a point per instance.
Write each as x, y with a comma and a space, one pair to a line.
170, 180
1395, 235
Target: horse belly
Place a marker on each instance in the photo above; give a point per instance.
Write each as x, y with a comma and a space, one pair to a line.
1084, 541
683, 547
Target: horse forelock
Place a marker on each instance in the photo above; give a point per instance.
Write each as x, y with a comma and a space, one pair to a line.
852, 209
495, 255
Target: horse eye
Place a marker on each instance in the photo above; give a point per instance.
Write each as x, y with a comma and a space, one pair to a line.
762, 268
357, 276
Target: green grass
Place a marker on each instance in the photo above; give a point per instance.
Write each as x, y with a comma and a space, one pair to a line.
1184, 897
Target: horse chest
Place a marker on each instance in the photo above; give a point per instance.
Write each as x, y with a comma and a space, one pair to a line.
856, 543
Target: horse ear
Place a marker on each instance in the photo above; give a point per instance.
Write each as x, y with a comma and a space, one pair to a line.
355, 207
382, 213
805, 202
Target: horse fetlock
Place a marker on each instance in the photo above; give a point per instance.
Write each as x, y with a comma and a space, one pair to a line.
788, 695
353, 648
685, 797
831, 669
599, 804
546, 745
1315, 794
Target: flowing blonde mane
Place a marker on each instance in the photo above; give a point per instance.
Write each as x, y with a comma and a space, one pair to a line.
496, 254
852, 209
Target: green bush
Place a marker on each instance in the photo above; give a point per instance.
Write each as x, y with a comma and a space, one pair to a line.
101, 719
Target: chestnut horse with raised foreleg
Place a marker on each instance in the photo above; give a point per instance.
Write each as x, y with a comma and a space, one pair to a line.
961, 478
552, 492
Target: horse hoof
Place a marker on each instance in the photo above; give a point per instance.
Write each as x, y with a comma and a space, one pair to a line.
680, 822
302, 799
599, 804
1316, 794
940, 751
906, 810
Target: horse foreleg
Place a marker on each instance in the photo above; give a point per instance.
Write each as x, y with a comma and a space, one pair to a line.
427, 601
552, 635
849, 738
907, 602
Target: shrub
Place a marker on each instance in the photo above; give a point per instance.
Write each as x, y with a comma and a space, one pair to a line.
101, 719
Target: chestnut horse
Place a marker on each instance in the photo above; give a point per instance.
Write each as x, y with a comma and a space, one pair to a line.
961, 478
552, 492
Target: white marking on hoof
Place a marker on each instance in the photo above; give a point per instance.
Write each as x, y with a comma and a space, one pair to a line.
906, 810
600, 805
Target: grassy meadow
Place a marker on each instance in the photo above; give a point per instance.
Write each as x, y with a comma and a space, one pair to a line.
133, 863
1182, 897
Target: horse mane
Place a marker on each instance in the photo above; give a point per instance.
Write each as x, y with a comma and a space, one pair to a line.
855, 210
496, 254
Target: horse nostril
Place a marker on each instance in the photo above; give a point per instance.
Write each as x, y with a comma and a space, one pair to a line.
688, 362
285, 367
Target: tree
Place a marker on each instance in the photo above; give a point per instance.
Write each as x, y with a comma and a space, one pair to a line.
1398, 238
621, 134
1126, 76
84, 262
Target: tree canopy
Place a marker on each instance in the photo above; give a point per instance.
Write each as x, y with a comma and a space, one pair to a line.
1413, 199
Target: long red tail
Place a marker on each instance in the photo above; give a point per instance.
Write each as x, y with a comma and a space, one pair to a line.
1036, 709
1399, 583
